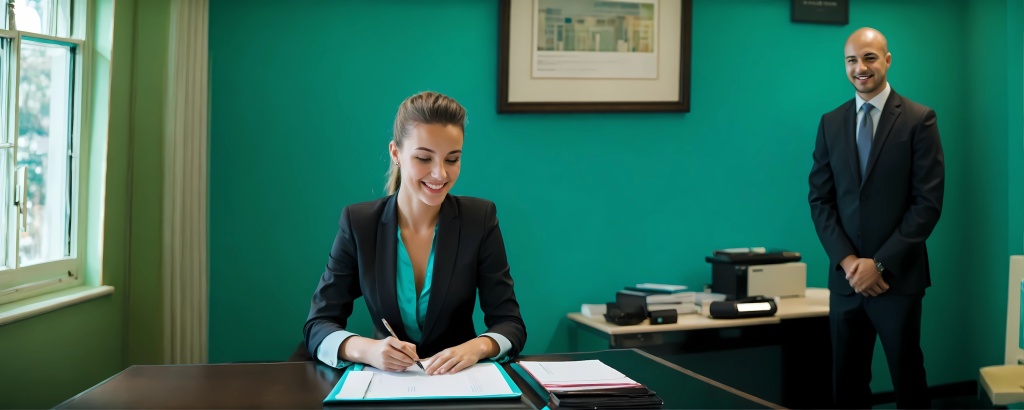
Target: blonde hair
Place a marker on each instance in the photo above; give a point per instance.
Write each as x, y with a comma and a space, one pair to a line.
426, 107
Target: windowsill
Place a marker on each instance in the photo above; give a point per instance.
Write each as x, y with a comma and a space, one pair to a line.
34, 306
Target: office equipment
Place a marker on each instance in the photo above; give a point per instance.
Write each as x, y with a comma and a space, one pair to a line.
631, 302
752, 256
623, 318
481, 380
303, 385
663, 317
396, 338
797, 335
738, 281
755, 306
1003, 383
1015, 313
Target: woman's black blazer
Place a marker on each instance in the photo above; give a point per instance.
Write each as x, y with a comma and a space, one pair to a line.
469, 256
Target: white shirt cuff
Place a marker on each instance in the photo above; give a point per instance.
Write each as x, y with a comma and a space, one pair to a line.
328, 350
503, 346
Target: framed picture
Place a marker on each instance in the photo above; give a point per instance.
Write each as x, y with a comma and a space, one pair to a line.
594, 56
820, 11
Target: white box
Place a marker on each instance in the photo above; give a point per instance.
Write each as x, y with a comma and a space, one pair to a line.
780, 279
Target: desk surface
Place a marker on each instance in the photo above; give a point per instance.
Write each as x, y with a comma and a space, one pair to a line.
304, 385
814, 304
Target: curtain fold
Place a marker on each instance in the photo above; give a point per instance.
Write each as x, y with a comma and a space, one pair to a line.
185, 268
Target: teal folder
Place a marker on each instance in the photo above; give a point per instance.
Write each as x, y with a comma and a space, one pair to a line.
530, 381
332, 397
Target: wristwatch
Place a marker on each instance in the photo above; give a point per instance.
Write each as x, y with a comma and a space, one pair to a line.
878, 265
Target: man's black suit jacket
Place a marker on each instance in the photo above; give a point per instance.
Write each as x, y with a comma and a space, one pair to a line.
469, 255
889, 214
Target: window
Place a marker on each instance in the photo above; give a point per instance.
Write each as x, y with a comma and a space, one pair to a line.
41, 98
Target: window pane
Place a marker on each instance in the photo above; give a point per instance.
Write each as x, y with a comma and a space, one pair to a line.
44, 119
6, 8
50, 17
7, 152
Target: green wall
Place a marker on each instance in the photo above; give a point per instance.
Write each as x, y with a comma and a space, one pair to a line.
303, 97
145, 302
47, 359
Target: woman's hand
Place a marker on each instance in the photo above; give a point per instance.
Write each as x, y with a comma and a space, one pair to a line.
388, 354
454, 359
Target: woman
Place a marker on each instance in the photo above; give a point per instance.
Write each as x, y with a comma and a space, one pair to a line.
418, 257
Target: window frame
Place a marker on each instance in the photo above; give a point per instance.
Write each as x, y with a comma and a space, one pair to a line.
22, 282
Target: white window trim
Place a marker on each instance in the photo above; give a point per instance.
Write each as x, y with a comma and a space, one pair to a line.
52, 285
34, 306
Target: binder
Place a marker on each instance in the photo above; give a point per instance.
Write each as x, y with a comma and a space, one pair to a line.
621, 398
360, 378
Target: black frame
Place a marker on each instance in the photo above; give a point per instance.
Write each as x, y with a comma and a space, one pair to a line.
820, 11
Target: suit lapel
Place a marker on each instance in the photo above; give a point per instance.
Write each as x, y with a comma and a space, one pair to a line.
849, 142
892, 110
448, 230
387, 257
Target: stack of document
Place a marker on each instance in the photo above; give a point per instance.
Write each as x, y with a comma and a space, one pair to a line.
666, 297
594, 310
657, 287
577, 375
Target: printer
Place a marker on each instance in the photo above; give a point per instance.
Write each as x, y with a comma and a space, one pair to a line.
740, 274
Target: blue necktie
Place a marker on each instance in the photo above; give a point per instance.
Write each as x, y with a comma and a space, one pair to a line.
864, 138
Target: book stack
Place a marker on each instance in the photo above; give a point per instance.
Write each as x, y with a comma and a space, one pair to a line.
666, 297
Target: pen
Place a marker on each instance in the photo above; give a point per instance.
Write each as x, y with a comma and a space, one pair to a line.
396, 338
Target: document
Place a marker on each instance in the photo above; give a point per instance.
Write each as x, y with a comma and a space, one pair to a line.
478, 381
576, 375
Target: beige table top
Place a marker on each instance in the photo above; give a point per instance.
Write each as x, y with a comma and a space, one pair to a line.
814, 304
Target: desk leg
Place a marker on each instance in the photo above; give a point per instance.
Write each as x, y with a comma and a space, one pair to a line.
806, 363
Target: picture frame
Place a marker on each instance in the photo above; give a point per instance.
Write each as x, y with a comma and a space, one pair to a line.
658, 82
835, 12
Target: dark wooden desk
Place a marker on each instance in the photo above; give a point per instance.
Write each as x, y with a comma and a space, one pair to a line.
303, 385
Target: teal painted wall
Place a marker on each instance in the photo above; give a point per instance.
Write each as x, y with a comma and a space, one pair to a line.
988, 194
989, 186
1015, 122
303, 97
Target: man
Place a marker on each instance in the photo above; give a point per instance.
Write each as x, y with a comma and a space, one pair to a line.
876, 194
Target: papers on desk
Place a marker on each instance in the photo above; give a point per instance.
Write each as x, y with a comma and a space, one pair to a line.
482, 380
576, 375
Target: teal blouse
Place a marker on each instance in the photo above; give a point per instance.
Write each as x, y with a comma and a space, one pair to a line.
413, 309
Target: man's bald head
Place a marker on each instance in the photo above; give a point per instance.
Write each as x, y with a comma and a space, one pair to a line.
869, 35
867, 60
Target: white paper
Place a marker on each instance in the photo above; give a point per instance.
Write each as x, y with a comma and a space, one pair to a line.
572, 372
479, 380
355, 385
